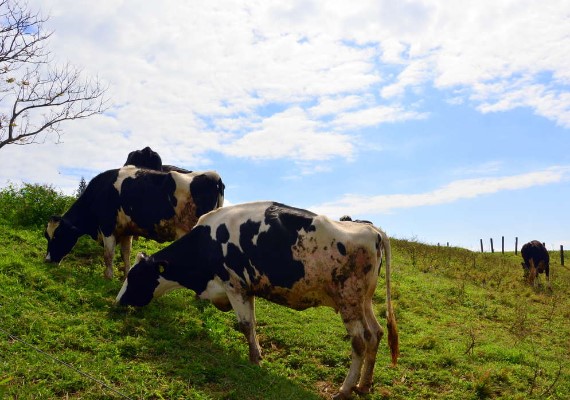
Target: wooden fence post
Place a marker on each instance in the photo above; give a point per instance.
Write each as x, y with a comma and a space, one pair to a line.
481, 245
561, 255
516, 245
492, 248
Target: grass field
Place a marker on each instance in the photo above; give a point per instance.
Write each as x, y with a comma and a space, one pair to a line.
470, 328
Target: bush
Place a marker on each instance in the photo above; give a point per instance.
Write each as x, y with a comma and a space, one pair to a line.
31, 205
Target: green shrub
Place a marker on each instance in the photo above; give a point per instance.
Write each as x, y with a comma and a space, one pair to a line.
31, 205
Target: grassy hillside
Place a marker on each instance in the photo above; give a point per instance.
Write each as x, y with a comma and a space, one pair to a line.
470, 328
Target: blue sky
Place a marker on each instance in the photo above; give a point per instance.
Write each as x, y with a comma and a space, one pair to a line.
439, 121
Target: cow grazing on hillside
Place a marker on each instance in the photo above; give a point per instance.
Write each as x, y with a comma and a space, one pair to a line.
148, 158
121, 203
286, 255
535, 261
349, 218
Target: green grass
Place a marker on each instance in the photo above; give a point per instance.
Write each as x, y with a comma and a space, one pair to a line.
470, 328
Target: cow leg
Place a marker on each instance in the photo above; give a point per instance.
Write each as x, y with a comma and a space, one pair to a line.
532, 273
373, 340
355, 324
244, 307
126, 245
109, 243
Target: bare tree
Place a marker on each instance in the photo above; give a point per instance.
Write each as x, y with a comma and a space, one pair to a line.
35, 96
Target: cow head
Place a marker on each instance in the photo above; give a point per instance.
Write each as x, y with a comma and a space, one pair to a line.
145, 158
61, 236
144, 282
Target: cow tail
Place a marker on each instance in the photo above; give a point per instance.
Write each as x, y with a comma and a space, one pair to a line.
390, 317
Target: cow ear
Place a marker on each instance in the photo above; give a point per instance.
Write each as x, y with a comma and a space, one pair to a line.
161, 266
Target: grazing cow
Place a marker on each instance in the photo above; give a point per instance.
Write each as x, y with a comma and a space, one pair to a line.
536, 261
286, 255
349, 218
121, 203
148, 158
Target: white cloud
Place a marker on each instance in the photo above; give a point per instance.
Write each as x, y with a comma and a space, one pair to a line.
335, 105
490, 167
224, 59
290, 134
414, 75
189, 79
375, 116
393, 51
452, 192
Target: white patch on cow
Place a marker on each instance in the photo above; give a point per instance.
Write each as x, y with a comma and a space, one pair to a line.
182, 186
51, 227
215, 290
233, 217
128, 171
165, 286
263, 228
139, 257
122, 218
246, 277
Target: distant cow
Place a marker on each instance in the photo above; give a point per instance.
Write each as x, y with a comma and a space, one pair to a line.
349, 218
121, 203
286, 255
148, 158
536, 261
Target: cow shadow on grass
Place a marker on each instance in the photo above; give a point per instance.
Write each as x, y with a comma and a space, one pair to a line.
200, 350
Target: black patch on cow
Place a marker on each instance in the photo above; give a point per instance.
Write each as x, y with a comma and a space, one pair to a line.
238, 261
97, 206
168, 168
341, 248
222, 234
148, 198
247, 231
272, 253
195, 259
145, 158
205, 191
238, 258
293, 219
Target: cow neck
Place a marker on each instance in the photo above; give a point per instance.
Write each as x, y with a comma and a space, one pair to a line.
82, 214
80, 219
188, 261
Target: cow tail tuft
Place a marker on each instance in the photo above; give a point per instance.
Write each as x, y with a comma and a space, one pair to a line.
393, 341
393, 336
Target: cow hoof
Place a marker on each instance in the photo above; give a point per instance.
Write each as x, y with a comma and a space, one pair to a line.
108, 275
364, 389
255, 360
341, 396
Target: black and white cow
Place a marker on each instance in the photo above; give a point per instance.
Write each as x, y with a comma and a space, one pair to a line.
286, 255
121, 203
148, 158
535, 261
